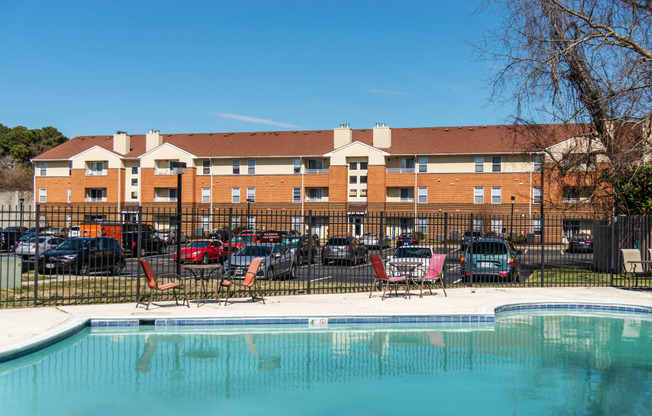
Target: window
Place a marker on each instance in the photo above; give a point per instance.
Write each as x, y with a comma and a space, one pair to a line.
363, 179
537, 194
496, 195
353, 179
497, 225
537, 163
251, 194
422, 225
134, 195
479, 164
353, 192
353, 165
296, 224
314, 194
478, 195
423, 195
42, 195
315, 164
573, 194
407, 163
134, 181
363, 193
363, 165
69, 168
206, 167
96, 194
251, 222
296, 195
406, 194
536, 226
205, 195
496, 164
236, 167
478, 224
251, 167
423, 164
69, 195
134, 170
43, 169
297, 166
235, 195
172, 194
206, 223
95, 168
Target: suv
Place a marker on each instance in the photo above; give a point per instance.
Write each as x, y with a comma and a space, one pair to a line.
303, 245
9, 236
491, 257
149, 243
83, 255
347, 249
407, 239
468, 236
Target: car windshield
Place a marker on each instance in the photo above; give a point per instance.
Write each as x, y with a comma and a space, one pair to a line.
255, 251
474, 234
291, 241
413, 252
338, 242
198, 244
74, 244
489, 247
243, 239
407, 236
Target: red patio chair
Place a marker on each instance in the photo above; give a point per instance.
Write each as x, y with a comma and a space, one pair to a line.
249, 282
433, 274
386, 281
154, 286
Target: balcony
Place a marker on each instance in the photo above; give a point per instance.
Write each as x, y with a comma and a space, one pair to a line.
317, 199
316, 171
165, 171
400, 170
95, 173
95, 199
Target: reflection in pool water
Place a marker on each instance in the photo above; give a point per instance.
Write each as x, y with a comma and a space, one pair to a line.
526, 364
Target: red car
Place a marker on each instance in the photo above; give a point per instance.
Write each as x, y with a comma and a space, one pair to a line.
201, 251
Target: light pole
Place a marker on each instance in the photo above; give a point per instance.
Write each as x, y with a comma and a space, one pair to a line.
511, 221
21, 200
178, 168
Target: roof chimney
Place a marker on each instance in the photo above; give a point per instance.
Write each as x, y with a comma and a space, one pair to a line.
121, 142
153, 139
382, 137
342, 136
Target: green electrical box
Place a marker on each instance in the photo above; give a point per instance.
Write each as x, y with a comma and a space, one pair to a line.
11, 271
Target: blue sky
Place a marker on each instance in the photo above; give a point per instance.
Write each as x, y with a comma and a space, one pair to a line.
94, 67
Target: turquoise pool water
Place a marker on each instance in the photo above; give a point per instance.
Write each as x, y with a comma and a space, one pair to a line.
525, 364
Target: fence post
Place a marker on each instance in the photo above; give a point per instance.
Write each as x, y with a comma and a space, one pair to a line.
228, 249
381, 233
140, 220
446, 232
310, 249
470, 251
36, 233
614, 251
543, 247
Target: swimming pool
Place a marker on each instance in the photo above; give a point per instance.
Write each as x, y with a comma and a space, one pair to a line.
534, 363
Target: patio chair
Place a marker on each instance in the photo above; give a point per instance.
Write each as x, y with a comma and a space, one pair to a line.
632, 264
250, 282
433, 274
154, 286
386, 281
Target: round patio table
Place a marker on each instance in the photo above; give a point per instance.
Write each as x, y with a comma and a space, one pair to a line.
203, 277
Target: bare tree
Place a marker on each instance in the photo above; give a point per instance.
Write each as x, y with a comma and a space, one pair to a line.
582, 64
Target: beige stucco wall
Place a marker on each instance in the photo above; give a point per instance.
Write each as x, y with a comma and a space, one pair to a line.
163, 153
57, 168
340, 157
96, 154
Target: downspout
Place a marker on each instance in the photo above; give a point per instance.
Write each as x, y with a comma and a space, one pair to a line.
415, 193
119, 169
210, 161
303, 192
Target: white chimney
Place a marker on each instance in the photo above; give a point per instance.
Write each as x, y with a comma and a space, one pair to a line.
342, 136
153, 139
121, 142
382, 136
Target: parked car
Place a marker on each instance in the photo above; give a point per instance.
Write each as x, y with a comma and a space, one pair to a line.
75, 231
347, 249
375, 240
492, 257
241, 240
8, 237
406, 239
27, 249
221, 235
170, 236
149, 243
468, 236
279, 261
580, 243
82, 255
421, 254
201, 251
304, 246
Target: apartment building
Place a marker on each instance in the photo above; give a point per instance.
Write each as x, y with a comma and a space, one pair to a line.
357, 171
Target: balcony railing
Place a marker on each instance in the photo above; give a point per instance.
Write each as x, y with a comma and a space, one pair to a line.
317, 199
95, 199
95, 173
400, 170
165, 171
164, 199
316, 171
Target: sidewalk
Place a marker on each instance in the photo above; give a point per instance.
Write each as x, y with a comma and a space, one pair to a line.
18, 325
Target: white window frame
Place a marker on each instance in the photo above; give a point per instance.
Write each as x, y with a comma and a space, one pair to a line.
297, 166
235, 195
496, 164
297, 223
134, 170
134, 195
422, 225
206, 195
537, 163
537, 195
206, 167
173, 195
314, 194
423, 164
536, 226
496, 195
251, 194
407, 164
95, 168
423, 195
478, 195
134, 181
43, 169
42, 195
91, 194
206, 223
408, 198
497, 225
70, 168
296, 195
235, 166
479, 164
251, 167
69, 195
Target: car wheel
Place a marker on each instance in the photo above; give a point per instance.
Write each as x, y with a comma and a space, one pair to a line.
83, 269
204, 259
269, 273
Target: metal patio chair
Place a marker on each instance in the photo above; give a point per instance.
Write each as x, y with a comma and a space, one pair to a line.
153, 284
633, 265
433, 274
250, 282
386, 281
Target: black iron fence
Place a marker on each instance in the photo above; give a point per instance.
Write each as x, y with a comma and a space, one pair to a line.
534, 251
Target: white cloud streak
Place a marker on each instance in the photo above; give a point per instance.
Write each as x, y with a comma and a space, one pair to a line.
249, 119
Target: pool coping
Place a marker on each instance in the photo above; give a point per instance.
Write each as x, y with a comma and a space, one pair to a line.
485, 314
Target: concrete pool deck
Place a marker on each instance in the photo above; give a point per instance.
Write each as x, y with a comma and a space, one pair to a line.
21, 326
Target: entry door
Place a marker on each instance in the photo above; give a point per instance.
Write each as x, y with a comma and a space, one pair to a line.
356, 225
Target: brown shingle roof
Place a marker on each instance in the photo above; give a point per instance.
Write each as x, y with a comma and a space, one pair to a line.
423, 140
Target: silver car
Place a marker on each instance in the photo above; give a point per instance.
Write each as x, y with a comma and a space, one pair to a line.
375, 240
278, 261
409, 254
27, 248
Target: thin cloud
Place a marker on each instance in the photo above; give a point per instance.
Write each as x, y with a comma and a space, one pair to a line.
254, 120
379, 91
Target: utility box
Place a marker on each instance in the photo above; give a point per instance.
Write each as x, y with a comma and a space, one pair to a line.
11, 271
